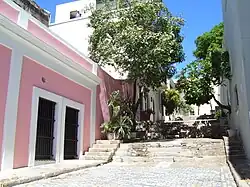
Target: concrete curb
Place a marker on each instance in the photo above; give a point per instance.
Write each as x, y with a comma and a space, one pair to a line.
236, 176
14, 182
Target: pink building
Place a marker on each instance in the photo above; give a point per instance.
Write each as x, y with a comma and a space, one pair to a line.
52, 99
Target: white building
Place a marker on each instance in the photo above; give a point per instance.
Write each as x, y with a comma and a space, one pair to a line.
236, 16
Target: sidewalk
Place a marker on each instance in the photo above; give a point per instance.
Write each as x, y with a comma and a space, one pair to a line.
29, 174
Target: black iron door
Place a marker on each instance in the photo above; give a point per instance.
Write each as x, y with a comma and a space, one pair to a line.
45, 129
71, 133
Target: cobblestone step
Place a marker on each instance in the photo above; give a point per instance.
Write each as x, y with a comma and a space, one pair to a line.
101, 149
154, 154
141, 159
239, 156
159, 154
96, 157
107, 141
233, 143
114, 146
236, 152
98, 153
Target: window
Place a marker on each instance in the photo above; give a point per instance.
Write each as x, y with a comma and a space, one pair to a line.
75, 14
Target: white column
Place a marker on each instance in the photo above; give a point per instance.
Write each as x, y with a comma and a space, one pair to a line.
93, 116
10, 118
23, 19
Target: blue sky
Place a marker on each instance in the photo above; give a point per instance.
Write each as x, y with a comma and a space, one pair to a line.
200, 16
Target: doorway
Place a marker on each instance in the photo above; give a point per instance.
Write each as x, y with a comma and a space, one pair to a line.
45, 130
71, 133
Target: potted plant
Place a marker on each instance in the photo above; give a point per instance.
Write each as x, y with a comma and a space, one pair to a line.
122, 128
120, 123
108, 130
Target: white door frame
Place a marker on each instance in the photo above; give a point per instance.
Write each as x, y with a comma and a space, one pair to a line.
59, 124
37, 93
80, 107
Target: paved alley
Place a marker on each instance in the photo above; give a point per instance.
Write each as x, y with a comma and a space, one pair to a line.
203, 172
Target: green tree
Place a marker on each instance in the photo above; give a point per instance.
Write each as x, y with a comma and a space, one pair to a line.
141, 38
211, 68
171, 100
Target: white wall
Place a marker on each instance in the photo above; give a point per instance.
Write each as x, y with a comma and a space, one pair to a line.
206, 108
63, 10
76, 32
237, 41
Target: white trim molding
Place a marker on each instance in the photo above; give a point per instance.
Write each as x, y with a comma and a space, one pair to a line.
18, 8
40, 93
11, 108
31, 41
80, 135
23, 19
93, 117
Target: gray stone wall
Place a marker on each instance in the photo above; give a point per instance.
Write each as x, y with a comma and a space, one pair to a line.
30, 6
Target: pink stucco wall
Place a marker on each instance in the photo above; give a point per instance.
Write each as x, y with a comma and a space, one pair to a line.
107, 86
8, 11
51, 40
32, 74
5, 54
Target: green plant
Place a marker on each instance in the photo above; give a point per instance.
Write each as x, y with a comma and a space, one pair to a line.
123, 127
171, 100
141, 38
107, 127
120, 121
220, 114
210, 69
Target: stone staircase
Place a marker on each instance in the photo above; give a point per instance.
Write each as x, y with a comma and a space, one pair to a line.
102, 150
234, 148
169, 151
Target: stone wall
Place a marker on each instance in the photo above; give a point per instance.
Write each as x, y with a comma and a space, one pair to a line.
30, 6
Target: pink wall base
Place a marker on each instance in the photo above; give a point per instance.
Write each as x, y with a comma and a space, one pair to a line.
5, 54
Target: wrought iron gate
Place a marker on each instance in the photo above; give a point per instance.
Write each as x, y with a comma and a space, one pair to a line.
71, 133
45, 129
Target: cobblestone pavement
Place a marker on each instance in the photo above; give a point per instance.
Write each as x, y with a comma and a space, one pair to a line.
143, 175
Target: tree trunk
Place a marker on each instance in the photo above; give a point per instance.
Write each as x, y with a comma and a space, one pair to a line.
211, 107
227, 107
135, 103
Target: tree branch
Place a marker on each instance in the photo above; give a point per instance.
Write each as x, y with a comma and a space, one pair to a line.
227, 107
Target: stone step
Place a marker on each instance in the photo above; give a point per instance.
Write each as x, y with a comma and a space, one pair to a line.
154, 154
98, 153
107, 141
160, 154
96, 157
101, 149
235, 151
239, 156
233, 143
114, 146
161, 149
234, 147
149, 159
